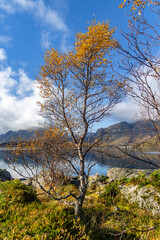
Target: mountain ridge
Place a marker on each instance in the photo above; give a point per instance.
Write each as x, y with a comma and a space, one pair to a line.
119, 133
123, 132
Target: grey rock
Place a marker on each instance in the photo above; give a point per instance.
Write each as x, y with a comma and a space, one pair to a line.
146, 197
75, 181
27, 182
5, 175
118, 173
96, 180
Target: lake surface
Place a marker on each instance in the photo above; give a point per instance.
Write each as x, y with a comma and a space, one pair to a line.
103, 163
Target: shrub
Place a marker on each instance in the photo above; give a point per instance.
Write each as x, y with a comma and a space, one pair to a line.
38, 221
155, 178
16, 192
111, 191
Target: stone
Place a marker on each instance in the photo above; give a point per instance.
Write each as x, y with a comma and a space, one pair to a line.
118, 173
96, 180
75, 181
27, 182
5, 175
146, 197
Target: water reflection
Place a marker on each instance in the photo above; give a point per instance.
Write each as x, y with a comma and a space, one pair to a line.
103, 163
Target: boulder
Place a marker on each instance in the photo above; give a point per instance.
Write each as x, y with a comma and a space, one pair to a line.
75, 181
118, 173
42, 179
96, 180
5, 175
146, 197
27, 182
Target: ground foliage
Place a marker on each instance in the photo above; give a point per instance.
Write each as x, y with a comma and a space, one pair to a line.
105, 214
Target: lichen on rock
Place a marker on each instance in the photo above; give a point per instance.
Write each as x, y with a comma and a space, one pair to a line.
118, 173
146, 197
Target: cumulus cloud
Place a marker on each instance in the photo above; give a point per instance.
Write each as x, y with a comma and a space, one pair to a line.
125, 111
18, 108
47, 16
25, 85
3, 55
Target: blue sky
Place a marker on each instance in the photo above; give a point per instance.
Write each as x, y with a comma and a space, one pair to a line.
27, 29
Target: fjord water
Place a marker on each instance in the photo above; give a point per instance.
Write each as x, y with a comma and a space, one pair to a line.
103, 163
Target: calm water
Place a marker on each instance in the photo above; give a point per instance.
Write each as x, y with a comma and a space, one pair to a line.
104, 163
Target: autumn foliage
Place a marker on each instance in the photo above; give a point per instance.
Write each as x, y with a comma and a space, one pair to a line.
138, 3
78, 89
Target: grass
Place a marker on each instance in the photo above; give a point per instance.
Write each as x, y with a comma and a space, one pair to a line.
103, 215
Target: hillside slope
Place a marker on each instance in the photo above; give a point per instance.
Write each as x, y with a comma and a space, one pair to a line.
123, 132
120, 133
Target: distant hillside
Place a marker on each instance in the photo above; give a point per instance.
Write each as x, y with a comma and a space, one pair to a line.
123, 132
12, 136
120, 133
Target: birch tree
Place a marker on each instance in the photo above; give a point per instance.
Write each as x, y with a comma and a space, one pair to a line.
78, 90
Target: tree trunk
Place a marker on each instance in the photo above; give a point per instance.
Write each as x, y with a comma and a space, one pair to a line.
79, 203
77, 210
83, 184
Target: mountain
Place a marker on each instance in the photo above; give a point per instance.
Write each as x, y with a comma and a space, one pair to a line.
120, 133
12, 136
123, 132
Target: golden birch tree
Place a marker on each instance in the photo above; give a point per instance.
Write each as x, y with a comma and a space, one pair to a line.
78, 89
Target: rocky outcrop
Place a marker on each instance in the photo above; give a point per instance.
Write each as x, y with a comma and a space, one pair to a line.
146, 197
118, 173
41, 179
5, 175
45, 178
96, 180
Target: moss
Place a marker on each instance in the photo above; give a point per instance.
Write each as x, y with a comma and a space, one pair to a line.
141, 180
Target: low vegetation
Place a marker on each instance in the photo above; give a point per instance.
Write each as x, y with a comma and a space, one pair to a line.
142, 180
26, 214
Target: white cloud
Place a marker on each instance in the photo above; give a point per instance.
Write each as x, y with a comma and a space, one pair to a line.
25, 85
3, 55
7, 80
47, 16
50, 18
18, 111
125, 111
